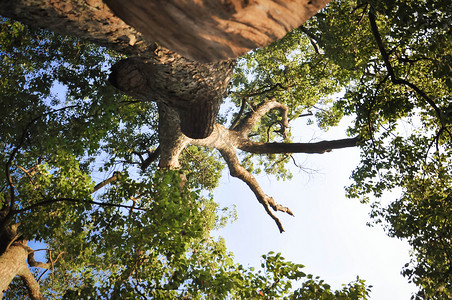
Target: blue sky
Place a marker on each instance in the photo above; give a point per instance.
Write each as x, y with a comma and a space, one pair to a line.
328, 233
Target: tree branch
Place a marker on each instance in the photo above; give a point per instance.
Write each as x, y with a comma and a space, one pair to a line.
34, 290
116, 176
151, 158
264, 90
238, 171
391, 71
239, 115
311, 148
32, 262
8, 164
52, 201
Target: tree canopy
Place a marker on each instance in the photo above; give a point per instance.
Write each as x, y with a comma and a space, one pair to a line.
81, 172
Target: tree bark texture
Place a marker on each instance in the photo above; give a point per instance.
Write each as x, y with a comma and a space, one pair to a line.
13, 262
89, 20
204, 31
213, 30
195, 90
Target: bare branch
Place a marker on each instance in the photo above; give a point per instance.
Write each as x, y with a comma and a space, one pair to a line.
151, 158
32, 262
116, 176
311, 148
239, 115
237, 170
312, 38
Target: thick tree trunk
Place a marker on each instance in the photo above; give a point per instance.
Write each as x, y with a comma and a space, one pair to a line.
194, 89
214, 30
90, 20
205, 31
13, 262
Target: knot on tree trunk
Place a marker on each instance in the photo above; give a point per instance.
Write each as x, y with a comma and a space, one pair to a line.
195, 90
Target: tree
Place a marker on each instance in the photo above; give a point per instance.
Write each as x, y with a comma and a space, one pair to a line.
48, 194
382, 54
136, 233
399, 55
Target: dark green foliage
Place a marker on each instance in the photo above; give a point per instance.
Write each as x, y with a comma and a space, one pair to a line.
399, 55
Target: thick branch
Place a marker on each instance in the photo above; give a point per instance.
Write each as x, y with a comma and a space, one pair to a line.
152, 156
32, 262
34, 290
312, 148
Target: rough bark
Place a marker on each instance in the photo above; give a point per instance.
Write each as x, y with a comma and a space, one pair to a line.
200, 30
214, 30
194, 89
90, 20
13, 262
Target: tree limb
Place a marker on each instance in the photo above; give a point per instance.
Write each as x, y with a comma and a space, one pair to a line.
311, 148
152, 156
52, 201
237, 170
34, 290
390, 69
116, 176
239, 115
32, 262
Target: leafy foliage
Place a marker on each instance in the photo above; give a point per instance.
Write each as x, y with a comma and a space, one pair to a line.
146, 234
386, 64
399, 53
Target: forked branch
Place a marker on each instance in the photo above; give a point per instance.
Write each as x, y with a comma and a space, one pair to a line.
238, 171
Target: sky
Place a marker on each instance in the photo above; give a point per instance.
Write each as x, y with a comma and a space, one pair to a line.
328, 234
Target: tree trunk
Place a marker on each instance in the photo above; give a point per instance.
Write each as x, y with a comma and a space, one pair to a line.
13, 262
215, 30
193, 89
205, 31
89, 20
